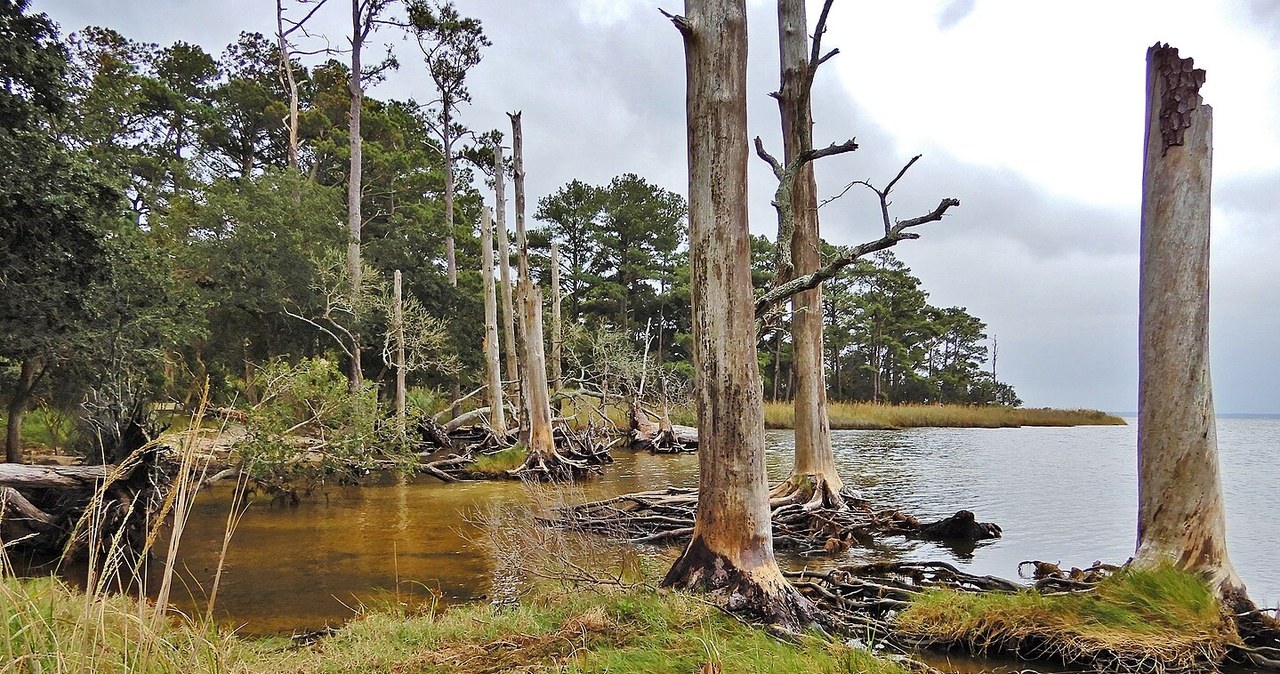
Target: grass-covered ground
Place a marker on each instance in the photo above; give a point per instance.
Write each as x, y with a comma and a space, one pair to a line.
1135, 616
47, 627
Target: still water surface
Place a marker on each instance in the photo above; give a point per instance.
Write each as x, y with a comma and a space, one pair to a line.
1060, 494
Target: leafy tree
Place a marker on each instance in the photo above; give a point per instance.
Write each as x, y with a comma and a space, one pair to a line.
450, 46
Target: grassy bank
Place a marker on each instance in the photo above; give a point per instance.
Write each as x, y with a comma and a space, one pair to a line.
47, 627
1163, 618
866, 416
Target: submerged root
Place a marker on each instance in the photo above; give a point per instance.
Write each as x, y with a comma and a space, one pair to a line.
800, 522
1075, 616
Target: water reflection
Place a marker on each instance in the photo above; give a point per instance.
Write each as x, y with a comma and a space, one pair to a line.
1060, 494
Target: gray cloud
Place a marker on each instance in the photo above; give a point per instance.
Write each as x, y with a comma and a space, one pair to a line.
1054, 276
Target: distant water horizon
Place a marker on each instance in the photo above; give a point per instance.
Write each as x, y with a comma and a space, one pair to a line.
1220, 415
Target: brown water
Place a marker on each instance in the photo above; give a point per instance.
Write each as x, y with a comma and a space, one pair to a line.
1061, 494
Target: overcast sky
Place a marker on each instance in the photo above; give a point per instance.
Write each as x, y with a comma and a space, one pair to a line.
1030, 113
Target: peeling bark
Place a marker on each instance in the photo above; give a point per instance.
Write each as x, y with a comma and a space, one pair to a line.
1181, 517
731, 552
493, 368
814, 470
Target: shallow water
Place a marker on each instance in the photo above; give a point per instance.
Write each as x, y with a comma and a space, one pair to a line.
1060, 494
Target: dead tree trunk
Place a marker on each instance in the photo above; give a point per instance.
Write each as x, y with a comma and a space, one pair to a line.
450, 254
557, 327
814, 477
360, 28
1181, 518
504, 267
731, 552
493, 368
398, 322
542, 459
522, 271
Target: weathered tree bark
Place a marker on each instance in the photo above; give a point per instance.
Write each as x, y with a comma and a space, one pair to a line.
398, 321
522, 272
450, 254
557, 327
360, 28
542, 455
493, 368
290, 82
814, 474
731, 552
1181, 518
30, 373
504, 266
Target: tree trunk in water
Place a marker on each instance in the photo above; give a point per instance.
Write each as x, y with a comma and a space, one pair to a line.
493, 368
731, 552
537, 401
557, 327
398, 322
1181, 518
354, 190
504, 267
814, 473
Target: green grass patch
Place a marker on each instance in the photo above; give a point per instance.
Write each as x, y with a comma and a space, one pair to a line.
498, 463
48, 627
1162, 614
868, 416
634, 630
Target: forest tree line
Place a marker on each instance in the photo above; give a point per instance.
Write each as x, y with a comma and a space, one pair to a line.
176, 216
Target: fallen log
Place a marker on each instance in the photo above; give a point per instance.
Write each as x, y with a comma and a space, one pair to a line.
44, 510
660, 437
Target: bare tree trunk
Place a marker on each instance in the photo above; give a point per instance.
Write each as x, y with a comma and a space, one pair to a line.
29, 375
522, 276
731, 552
542, 447
504, 266
814, 473
517, 158
493, 368
557, 327
1181, 518
450, 255
354, 191
398, 321
291, 83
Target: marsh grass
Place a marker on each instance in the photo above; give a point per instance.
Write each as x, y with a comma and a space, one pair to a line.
1158, 618
498, 463
618, 630
867, 416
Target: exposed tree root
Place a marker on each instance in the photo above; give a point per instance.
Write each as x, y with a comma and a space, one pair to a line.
815, 492
799, 522
738, 590
869, 596
577, 454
